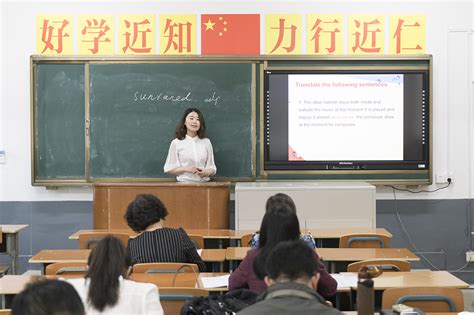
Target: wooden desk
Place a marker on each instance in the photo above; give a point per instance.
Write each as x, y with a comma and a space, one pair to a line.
11, 285
402, 279
207, 234
47, 256
322, 233
333, 255
11, 239
324, 237
184, 279
190, 205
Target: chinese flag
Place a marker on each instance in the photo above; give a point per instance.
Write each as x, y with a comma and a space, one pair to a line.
230, 34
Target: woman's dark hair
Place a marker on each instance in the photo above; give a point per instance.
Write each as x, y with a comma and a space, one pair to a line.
278, 200
181, 128
48, 297
144, 211
107, 262
279, 224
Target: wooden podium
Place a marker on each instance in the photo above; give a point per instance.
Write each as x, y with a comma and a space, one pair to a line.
190, 205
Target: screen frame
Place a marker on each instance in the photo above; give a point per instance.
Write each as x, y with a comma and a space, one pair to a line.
349, 170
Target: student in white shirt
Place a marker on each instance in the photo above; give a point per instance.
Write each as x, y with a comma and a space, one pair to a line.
190, 156
105, 289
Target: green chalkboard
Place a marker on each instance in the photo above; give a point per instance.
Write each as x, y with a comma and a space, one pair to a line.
134, 109
59, 115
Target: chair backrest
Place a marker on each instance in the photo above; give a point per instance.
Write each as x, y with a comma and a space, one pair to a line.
164, 268
173, 299
382, 264
89, 240
6, 312
245, 240
198, 240
364, 240
425, 298
69, 269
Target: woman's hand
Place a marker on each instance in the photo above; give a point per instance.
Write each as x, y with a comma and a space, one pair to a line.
193, 170
204, 173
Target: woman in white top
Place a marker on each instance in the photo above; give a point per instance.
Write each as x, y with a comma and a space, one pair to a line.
105, 289
190, 156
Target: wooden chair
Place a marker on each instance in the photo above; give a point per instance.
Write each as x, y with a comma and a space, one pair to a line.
383, 264
89, 240
67, 269
198, 240
6, 312
364, 240
172, 299
164, 268
3, 268
425, 298
245, 240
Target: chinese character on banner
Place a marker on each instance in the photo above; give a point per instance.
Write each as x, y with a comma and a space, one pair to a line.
324, 34
54, 35
366, 34
283, 34
177, 34
136, 34
225, 34
407, 34
95, 35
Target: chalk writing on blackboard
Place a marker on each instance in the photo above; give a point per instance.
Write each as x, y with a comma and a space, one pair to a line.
159, 96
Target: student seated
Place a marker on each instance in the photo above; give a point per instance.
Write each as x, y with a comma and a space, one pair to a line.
292, 277
276, 199
157, 243
105, 288
279, 224
48, 297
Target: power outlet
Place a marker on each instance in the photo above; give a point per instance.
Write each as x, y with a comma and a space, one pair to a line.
442, 178
470, 256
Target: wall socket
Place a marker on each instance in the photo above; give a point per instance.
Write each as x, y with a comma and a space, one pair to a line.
470, 256
442, 178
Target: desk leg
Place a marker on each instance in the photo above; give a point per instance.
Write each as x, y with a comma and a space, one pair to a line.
333, 267
12, 250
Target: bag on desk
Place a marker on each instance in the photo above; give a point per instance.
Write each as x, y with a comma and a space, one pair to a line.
228, 303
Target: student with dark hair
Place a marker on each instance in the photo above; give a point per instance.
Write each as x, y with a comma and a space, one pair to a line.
105, 288
273, 201
157, 243
190, 156
279, 224
48, 297
292, 277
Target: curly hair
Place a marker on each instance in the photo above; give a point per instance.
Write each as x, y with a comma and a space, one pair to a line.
144, 211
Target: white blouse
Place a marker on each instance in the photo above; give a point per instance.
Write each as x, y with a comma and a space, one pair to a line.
190, 152
135, 298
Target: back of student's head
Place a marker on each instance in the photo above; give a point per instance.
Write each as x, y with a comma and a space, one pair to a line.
290, 261
48, 297
107, 262
279, 224
279, 200
145, 210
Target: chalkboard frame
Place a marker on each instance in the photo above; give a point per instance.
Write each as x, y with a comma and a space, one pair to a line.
87, 179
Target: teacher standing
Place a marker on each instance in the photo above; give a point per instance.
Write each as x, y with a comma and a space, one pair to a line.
190, 156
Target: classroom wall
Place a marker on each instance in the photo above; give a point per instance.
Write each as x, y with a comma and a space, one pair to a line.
447, 213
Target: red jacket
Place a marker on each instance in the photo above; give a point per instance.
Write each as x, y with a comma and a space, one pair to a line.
245, 277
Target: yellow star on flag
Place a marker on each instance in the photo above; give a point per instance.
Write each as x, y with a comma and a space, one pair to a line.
209, 25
